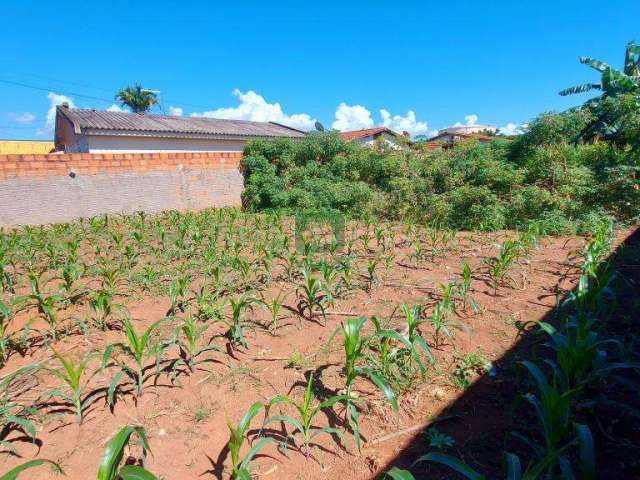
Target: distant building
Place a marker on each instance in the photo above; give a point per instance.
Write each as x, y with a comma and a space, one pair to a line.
370, 136
447, 138
93, 131
469, 129
25, 147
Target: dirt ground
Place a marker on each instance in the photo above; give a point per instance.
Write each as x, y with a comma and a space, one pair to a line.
186, 420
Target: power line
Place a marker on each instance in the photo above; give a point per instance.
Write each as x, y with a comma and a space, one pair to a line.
43, 89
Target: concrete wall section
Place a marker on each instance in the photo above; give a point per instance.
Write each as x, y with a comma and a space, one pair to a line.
139, 144
49, 190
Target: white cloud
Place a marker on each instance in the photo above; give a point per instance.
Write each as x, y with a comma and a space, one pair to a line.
26, 118
177, 111
352, 117
55, 99
115, 108
401, 124
513, 129
254, 107
469, 121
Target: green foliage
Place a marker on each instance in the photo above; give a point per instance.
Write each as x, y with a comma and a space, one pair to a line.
542, 175
110, 466
237, 436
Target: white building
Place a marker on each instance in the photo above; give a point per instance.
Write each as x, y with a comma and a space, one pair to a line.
93, 131
372, 136
468, 129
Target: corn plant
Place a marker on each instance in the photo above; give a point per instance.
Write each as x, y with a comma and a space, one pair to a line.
6, 316
303, 425
45, 303
6, 275
111, 467
393, 361
208, 305
237, 436
413, 318
189, 336
15, 472
438, 319
464, 288
236, 333
354, 343
499, 266
312, 294
13, 415
372, 277
75, 390
178, 294
448, 293
102, 308
274, 306
133, 361
70, 273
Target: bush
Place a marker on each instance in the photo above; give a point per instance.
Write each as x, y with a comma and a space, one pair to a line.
541, 176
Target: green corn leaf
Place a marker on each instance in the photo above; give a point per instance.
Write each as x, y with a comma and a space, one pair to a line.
24, 423
250, 414
254, 451
587, 455
115, 450
13, 473
514, 469
384, 386
453, 463
134, 472
396, 474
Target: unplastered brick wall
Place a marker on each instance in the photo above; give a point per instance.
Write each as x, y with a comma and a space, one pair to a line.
38, 189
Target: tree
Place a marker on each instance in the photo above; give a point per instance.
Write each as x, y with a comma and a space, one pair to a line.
138, 99
620, 98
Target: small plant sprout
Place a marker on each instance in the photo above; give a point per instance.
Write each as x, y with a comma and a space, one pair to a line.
303, 425
372, 277
464, 288
312, 294
189, 337
15, 472
274, 306
75, 390
354, 343
237, 436
111, 467
236, 333
135, 353
438, 440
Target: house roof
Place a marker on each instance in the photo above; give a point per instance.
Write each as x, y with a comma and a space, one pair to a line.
368, 132
98, 122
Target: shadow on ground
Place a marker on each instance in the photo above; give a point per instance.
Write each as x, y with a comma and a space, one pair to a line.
482, 417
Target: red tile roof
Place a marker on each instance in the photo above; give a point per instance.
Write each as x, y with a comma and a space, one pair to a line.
368, 132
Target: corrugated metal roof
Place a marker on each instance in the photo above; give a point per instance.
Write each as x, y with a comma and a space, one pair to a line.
114, 123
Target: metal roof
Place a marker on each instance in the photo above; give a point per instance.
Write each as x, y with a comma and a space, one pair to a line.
99, 122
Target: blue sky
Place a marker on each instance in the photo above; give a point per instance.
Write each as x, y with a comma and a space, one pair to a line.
295, 62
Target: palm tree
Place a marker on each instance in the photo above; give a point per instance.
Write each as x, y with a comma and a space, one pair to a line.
138, 99
620, 95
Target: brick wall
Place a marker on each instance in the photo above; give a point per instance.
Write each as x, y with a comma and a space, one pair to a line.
36, 189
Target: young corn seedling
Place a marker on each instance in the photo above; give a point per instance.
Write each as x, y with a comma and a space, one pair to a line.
209, 306
45, 303
102, 308
372, 279
274, 306
237, 436
448, 293
500, 265
70, 274
111, 467
13, 415
75, 390
312, 295
190, 338
239, 306
464, 288
438, 319
354, 343
413, 318
133, 361
178, 294
6, 316
303, 425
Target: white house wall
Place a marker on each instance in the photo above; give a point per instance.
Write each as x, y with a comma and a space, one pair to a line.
111, 144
